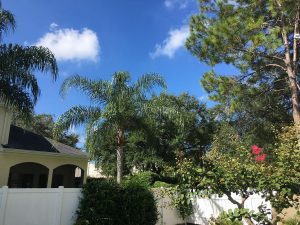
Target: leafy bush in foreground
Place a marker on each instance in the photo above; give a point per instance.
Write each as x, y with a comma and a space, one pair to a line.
145, 179
108, 203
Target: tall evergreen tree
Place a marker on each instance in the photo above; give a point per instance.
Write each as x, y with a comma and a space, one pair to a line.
260, 37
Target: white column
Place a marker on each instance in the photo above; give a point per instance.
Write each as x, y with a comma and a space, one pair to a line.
5, 121
50, 175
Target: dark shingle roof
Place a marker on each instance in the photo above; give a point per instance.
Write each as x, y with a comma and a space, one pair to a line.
26, 140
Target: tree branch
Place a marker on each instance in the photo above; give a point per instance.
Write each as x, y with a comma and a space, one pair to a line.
275, 65
228, 194
295, 41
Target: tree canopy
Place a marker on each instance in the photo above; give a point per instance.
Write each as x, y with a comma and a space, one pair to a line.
18, 85
172, 124
258, 37
43, 124
117, 108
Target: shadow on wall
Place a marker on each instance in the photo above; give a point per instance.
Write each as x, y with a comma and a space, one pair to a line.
35, 175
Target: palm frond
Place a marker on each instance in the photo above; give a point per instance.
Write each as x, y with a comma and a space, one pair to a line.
120, 78
77, 115
97, 91
21, 78
148, 81
14, 97
7, 21
28, 58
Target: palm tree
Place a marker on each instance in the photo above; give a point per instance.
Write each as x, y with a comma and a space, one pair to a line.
117, 108
18, 84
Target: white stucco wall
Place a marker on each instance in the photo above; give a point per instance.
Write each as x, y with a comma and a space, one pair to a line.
94, 172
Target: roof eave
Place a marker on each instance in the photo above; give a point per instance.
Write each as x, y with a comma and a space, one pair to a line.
53, 154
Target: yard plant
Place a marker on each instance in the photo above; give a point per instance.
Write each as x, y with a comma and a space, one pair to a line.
108, 203
117, 107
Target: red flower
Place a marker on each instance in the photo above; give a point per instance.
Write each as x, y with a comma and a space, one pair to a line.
260, 158
256, 150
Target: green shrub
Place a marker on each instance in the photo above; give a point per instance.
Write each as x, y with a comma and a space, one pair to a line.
139, 205
145, 179
107, 203
100, 204
291, 221
224, 221
159, 184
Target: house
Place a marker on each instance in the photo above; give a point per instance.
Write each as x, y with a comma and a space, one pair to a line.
94, 171
29, 160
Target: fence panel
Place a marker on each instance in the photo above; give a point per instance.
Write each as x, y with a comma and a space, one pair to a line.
57, 206
51, 206
204, 208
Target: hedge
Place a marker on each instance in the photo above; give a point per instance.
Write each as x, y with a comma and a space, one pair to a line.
108, 203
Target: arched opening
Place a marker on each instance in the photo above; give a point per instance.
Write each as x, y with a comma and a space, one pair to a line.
28, 175
69, 176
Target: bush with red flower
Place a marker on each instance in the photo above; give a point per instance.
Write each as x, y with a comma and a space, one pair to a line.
257, 151
273, 172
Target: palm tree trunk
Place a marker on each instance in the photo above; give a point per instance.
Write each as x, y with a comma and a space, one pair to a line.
120, 154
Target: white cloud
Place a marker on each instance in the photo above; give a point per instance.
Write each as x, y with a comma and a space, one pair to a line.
71, 44
175, 40
53, 26
182, 4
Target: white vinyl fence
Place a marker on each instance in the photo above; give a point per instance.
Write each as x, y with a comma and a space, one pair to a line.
57, 206
204, 209
38, 206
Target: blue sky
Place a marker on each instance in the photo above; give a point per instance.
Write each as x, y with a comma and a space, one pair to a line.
95, 38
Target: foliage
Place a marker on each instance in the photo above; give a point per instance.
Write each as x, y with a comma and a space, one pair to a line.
224, 221
181, 199
281, 182
108, 203
43, 124
100, 204
18, 85
145, 179
181, 194
236, 215
180, 124
172, 124
256, 37
117, 108
222, 173
140, 205
161, 184
249, 109
272, 172
291, 221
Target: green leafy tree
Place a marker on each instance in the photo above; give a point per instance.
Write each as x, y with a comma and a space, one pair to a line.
172, 124
221, 174
180, 124
259, 37
43, 124
272, 172
118, 107
18, 84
